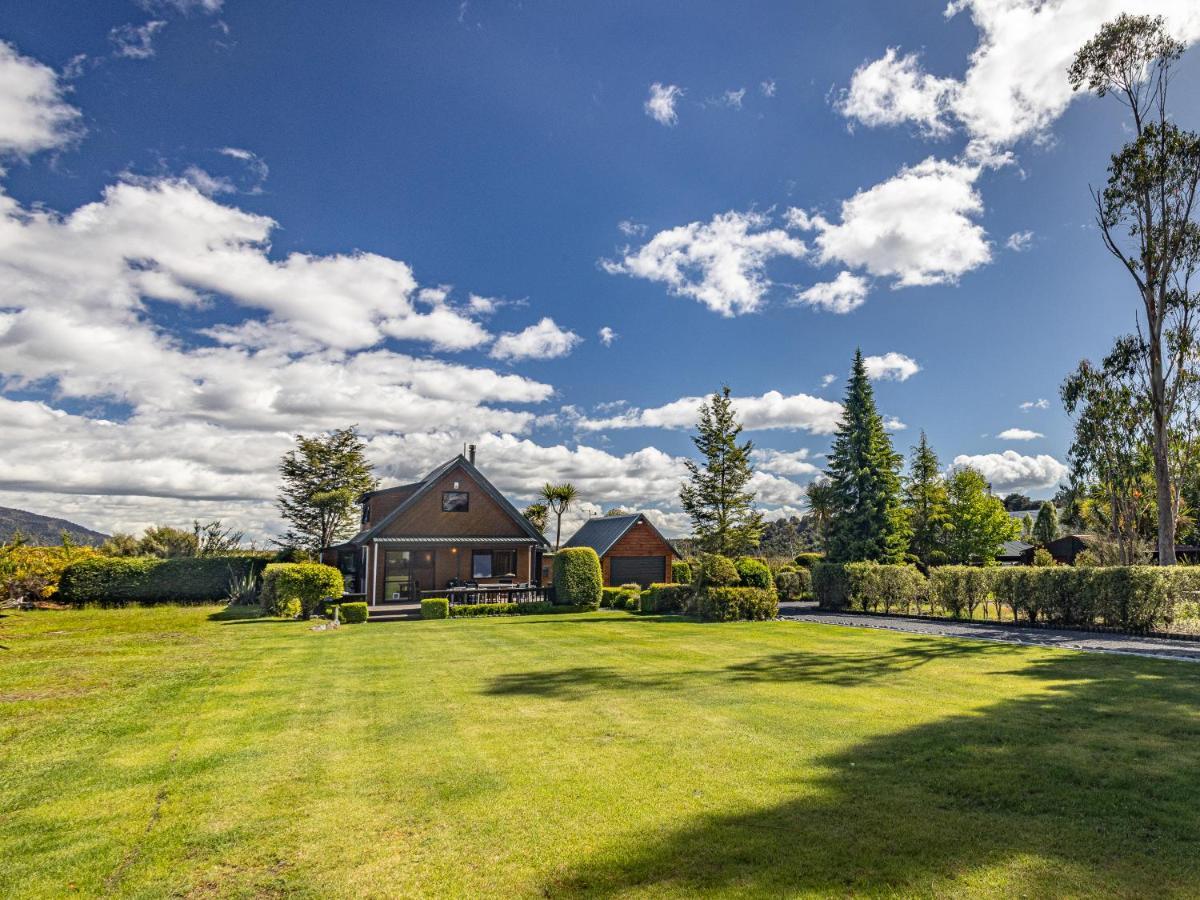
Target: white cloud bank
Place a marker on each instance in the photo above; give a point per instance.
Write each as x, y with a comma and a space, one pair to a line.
1009, 471
771, 410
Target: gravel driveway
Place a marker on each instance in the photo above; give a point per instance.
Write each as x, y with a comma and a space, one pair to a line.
1011, 634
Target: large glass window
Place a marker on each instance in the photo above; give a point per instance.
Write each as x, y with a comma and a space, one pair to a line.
494, 564
397, 574
455, 501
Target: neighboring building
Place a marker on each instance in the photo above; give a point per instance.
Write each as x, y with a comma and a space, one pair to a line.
1015, 553
631, 549
1066, 548
451, 528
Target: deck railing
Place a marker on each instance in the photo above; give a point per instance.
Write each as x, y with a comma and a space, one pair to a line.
494, 593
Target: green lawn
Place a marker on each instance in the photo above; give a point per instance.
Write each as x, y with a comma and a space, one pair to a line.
154, 752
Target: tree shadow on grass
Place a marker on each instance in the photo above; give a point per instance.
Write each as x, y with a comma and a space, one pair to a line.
242, 615
1086, 786
840, 670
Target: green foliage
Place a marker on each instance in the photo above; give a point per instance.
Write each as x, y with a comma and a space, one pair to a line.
609, 597
718, 571
482, 610
435, 608
578, 580
29, 574
537, 514
167, 542
874, 587
728, 604
353, 613
120, 581
559, 498
623, 597
960, 590
868, 521
1042, 558
926, 501
793, 584
716, 496
753, 572
666, 598
808, 560
287, 585
1045, 529
322, 479
681, 571
978, 524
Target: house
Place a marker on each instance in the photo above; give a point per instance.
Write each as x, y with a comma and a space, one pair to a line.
1066, 548
451, 528
1015, 553
631, 549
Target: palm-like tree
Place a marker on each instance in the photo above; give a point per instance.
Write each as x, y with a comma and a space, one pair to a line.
559, 498
821, 498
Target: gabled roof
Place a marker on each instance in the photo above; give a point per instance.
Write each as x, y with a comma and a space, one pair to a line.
602, 532
1015, 548
426, 484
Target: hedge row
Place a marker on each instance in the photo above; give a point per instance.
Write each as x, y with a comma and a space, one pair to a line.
624, 597
666, 598
728, 604
121, 581
793, 583
1132, 598
477, 610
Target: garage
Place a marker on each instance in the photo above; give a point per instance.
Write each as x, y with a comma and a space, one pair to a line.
631, 549
643, 570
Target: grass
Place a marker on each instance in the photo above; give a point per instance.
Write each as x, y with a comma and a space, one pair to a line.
193, 752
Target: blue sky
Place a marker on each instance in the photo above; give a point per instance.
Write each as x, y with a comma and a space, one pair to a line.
226, 222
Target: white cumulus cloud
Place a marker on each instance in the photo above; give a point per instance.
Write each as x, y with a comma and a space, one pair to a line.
891, 366
721, 263
1009, 471
34, 114
1019, 434
845, 293
894, 89
543, 340
771, 410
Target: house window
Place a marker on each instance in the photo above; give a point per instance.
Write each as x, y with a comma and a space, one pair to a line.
397, 574
455, 501
366, 512
494, 564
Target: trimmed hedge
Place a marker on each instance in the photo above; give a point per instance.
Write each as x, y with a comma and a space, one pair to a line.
353, 613
728, 604
610, 597
961, 590
291, 589
793, 584
479, 610
753, 572
623, 597
121, 581
577, 577
681, 571
809, 560
666, 598
435, 608
830, 585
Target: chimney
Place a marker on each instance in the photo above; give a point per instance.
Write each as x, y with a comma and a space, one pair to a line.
471, 454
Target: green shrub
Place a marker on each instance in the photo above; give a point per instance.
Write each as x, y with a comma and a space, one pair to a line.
1042, 558
793, 584
753, 572
306, 583
435, 608
808, 560
666, 598
728, 604
830, 585
610, 597
353, 613
631, 595
718, 571
577, 577
120, 581
681, 571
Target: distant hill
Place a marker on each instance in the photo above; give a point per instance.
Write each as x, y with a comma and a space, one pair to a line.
44, 530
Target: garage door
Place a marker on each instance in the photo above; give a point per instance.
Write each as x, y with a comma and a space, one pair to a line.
643, 570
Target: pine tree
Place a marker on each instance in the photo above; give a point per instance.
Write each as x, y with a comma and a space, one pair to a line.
925, 501
723, 516
1045, 529
868, 521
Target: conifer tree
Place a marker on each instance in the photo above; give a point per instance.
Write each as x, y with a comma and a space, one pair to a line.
715, 496
925, 500
322, 479
1045, 529
869, 522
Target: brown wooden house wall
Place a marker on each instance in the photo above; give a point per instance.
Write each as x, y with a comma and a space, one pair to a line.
484, 517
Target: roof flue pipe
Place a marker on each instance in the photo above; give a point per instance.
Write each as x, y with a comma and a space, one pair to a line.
471, 454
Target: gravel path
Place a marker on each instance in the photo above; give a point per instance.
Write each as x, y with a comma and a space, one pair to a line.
1011, 634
